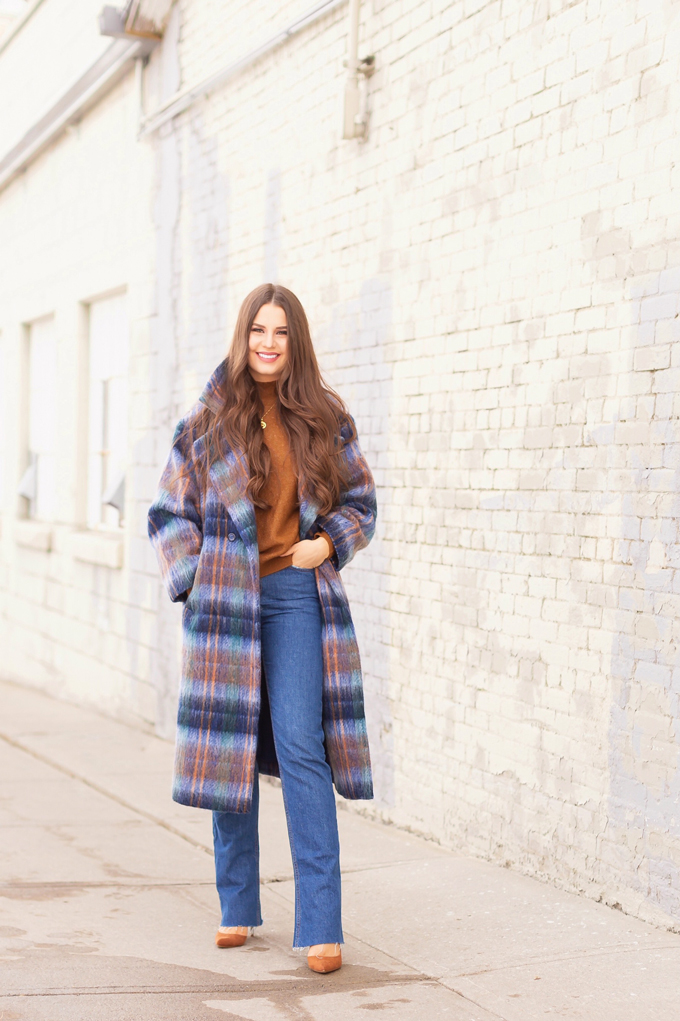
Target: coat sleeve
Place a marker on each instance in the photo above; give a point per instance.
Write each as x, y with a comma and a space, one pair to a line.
351, 524
175, 523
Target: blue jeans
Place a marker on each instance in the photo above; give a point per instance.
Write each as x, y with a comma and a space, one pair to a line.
292, 664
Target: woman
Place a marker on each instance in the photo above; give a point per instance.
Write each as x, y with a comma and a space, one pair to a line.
264, 498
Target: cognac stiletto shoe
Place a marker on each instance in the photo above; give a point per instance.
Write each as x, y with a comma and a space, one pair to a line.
325, 957
231, 935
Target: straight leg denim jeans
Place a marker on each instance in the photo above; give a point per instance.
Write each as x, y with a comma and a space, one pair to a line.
293, 667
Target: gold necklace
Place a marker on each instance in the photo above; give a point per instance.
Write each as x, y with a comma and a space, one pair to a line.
264, 415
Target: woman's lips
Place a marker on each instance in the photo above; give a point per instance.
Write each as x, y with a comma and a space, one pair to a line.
267, 357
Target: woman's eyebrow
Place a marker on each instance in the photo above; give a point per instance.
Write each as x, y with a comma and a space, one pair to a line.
259, 326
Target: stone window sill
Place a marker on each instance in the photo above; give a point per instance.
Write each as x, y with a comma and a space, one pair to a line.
35, 535
105, 550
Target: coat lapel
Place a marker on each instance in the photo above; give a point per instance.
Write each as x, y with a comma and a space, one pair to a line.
229, 474
229, 477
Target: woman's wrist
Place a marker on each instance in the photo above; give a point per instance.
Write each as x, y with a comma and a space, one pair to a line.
329, 542
322, 545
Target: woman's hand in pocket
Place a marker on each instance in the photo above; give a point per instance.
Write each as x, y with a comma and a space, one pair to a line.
308, 553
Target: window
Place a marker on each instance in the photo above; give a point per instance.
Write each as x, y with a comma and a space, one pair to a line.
39, 481
108, 408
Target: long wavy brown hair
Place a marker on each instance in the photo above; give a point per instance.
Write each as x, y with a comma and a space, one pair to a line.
311, 412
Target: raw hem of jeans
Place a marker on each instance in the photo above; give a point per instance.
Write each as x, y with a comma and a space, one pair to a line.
248, 925
298, 949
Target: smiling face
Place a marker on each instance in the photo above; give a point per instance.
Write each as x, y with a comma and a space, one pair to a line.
267, 344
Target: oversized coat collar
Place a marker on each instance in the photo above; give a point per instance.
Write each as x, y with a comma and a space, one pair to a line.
229, 476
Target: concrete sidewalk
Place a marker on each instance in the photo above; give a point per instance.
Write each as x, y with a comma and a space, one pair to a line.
108, 909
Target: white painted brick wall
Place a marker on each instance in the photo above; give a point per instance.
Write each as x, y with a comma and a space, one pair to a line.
493, 279
74, 226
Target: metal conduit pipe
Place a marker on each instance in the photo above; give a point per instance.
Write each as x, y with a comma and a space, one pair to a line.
352, 97
185, 98
355, 119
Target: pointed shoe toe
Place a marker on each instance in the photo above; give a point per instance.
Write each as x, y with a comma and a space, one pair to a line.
231, 936
323, 962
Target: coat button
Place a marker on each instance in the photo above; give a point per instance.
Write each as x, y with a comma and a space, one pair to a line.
231, 537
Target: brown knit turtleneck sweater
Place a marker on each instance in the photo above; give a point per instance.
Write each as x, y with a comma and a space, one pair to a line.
278, 526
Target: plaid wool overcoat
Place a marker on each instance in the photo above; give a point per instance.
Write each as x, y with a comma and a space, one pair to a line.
205, 539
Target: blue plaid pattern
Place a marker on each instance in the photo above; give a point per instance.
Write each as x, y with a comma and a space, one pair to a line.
206, 540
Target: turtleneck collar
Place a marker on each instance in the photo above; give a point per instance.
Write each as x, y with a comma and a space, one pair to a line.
268, 388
